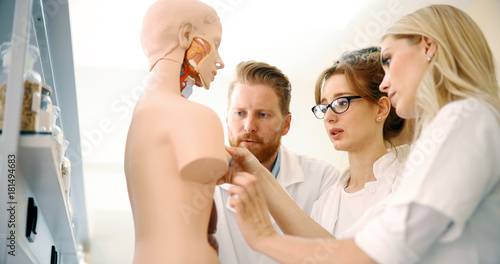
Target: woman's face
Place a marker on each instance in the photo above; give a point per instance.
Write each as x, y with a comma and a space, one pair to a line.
211, 62
404, 65
355, 128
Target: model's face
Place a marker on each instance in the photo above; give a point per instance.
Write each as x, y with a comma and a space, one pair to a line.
404, 65
255, 120
355, 128
212, 61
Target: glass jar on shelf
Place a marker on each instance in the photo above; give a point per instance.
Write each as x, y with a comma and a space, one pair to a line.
66, 176
57, 135
32, 87
45, 116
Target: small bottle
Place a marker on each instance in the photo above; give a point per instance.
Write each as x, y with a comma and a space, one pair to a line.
66, 176
45, 115
57, 135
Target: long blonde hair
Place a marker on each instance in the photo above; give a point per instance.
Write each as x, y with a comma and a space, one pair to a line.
463, 65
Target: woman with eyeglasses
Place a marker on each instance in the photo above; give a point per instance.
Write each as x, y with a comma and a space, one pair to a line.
359, 120
440, 70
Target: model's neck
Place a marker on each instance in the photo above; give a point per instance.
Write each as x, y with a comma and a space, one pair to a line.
361, 164
166, 75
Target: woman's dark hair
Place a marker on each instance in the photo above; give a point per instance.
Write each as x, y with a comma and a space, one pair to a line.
363, 72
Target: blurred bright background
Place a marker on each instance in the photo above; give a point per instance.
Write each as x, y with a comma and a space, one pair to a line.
300, 37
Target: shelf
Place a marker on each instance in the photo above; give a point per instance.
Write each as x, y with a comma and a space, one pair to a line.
45, 25
37, 160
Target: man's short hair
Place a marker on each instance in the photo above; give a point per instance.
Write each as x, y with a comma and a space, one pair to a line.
255, 73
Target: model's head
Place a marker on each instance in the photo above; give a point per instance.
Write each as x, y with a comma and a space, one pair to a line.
362, 112
258, 108
171, 27
433, 56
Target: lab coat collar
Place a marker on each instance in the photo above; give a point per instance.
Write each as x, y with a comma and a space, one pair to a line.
383, 163
385, 171
290, 169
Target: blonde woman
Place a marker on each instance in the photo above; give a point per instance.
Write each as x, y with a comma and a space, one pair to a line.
439, 69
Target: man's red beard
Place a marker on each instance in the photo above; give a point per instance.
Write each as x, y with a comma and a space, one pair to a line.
263, 151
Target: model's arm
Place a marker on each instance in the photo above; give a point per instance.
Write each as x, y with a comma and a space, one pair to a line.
287, 214
254, 222
199, 145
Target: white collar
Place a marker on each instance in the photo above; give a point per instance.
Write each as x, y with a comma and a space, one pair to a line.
290, 169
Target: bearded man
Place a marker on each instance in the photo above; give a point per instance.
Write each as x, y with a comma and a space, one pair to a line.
258, 116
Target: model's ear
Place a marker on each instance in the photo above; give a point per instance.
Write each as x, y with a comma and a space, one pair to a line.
186, 35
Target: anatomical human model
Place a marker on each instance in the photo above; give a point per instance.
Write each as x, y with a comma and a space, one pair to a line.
175, 148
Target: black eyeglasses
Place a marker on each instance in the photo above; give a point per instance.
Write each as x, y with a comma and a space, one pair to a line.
339, 106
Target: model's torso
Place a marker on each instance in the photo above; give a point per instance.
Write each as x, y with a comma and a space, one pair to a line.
171, 213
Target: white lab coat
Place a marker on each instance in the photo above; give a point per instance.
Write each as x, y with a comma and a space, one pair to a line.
304, 178
453, 172
387, 170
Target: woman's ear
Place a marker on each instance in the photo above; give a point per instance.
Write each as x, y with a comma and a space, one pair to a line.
186, 35
430, 46
383, 108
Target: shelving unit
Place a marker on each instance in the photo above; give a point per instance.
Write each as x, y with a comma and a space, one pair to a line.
37, 158
44, 24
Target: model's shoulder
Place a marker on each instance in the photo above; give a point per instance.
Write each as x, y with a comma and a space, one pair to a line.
201, 110
172, 107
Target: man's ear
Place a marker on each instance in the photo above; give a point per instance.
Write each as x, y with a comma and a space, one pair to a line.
286, 125
186, 35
